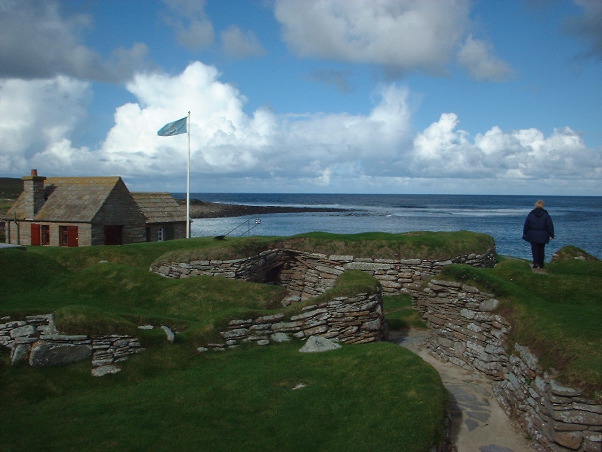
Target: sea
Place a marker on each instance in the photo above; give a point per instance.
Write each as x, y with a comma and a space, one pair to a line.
577, 219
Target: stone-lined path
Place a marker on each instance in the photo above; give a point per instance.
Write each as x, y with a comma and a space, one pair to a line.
478, 422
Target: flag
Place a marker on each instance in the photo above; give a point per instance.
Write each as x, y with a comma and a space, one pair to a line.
173, 128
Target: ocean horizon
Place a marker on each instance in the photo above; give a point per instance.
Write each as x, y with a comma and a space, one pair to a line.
577, 219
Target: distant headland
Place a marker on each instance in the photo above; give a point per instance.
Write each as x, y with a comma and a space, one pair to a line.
203, 209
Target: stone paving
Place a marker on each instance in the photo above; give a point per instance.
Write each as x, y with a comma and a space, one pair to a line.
478, 423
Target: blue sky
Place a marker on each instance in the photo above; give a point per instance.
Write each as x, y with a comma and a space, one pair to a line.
307, 96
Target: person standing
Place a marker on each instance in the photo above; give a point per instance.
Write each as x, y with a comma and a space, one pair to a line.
538, 230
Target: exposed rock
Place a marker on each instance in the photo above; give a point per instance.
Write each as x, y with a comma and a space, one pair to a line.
280, 337
203, 209
45, 354
318, 344
23, 331
101, 371
171, 337
19, 353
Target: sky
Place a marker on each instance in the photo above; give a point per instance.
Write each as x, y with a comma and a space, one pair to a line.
306, 96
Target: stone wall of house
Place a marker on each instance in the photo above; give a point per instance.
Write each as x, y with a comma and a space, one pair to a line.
120, 208
18, 232
350, 320
306, 275
470, 334
36, 340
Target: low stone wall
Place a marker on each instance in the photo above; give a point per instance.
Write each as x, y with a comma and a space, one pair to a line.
37, 341
306, 275
354, 320
471, 335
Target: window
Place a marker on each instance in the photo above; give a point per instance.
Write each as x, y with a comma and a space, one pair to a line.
160, 234
45, 234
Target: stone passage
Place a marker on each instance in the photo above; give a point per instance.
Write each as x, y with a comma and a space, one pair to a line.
37, 341
306, 275
471, 335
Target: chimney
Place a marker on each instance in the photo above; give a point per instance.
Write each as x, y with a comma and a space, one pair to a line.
33, 193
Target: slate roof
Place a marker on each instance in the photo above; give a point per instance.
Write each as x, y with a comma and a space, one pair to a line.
70, 199
160, 207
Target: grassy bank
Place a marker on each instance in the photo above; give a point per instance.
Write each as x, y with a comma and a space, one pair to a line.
557, 313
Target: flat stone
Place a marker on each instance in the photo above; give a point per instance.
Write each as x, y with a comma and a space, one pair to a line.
45, 354
570, 440
577, 417
280, 337
105, 370
489, 305
24, 331
564, 391
318, 344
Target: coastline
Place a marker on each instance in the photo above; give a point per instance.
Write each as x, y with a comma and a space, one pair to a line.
203, 209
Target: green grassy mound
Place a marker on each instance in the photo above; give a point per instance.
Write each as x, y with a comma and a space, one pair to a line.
556, 314
426, 245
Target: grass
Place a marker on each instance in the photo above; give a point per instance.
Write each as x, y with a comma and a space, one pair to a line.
356, 398
556, 314
426, 245
399, 313
130, 296
360, 398
10, 187
139, 255
368, 397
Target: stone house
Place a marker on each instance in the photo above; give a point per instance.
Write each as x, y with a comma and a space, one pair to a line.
165, 218
84, 211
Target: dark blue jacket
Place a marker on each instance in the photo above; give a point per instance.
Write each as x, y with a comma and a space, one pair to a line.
538, 226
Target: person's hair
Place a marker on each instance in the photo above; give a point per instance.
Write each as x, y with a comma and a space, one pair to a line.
539, 204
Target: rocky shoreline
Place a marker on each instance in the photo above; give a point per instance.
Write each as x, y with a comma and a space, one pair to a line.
203, 209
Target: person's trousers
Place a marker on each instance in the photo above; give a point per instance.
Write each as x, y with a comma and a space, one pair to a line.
538, 251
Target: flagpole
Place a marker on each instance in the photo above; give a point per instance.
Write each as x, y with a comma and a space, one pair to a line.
188, 183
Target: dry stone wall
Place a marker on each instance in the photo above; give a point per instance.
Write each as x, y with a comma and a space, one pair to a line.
37, 341
352, 320
306, 275
470, 334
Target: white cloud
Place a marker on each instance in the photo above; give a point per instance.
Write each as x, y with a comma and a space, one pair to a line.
225, 140
37, 41
239, 44
406, 34
378, 151
442, 150
478, 58
193, 29
399, 35
326, 150
35, 116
